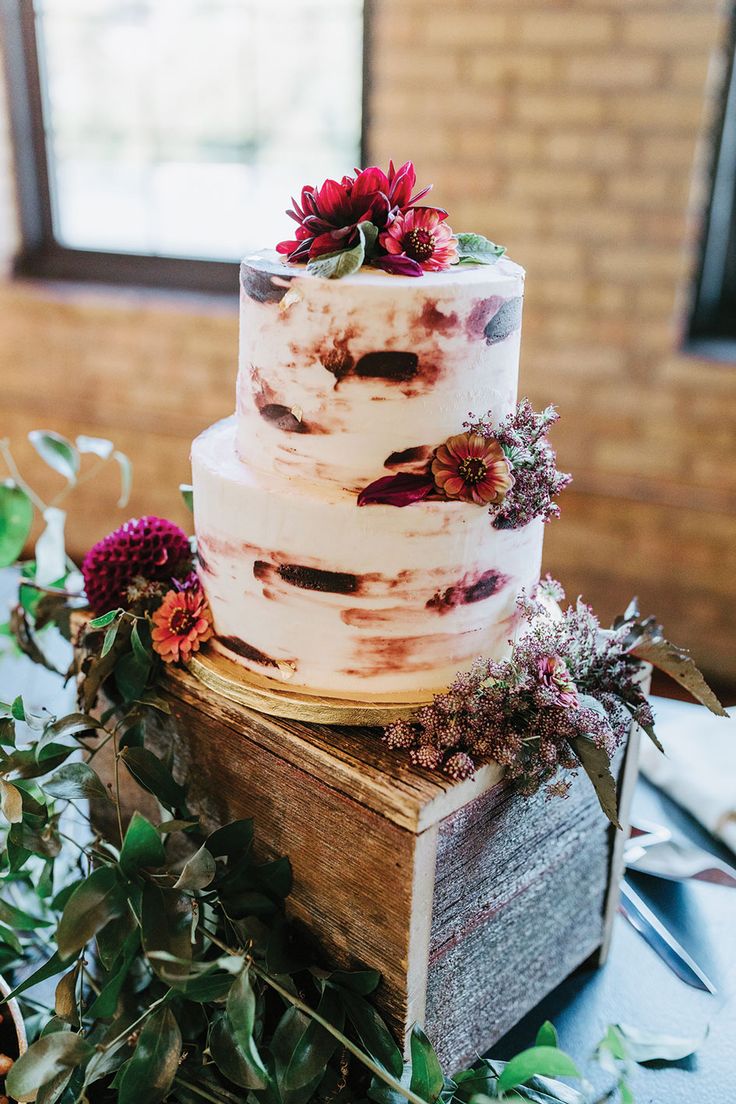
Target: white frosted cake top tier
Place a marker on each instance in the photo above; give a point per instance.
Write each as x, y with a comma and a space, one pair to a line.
337, 377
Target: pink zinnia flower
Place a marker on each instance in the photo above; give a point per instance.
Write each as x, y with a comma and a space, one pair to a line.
422, 235
182, 622
555, 676
328, 216
472, 468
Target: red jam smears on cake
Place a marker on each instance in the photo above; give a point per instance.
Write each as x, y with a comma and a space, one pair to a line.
345, 380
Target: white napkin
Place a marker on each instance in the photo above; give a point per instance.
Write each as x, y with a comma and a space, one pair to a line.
698, 769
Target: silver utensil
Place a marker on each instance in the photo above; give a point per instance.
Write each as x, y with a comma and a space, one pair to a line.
651, 928
651, 850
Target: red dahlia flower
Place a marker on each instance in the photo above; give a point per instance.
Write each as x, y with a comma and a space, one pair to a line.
181, 623
472, 468
422, 235
149, 547
328, 216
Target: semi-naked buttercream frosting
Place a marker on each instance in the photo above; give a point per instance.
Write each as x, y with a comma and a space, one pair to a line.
341, 382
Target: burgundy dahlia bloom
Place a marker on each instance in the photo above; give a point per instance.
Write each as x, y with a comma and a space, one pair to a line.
422, 235
150, 548
327, 217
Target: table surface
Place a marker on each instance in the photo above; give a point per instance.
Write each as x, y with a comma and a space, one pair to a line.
634, 987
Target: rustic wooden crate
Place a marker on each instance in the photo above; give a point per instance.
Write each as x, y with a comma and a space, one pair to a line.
472, 901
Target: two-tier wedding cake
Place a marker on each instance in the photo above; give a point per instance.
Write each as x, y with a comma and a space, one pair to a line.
350, 521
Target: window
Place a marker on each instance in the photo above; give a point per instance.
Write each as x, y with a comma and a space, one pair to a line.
160, 140
713, 321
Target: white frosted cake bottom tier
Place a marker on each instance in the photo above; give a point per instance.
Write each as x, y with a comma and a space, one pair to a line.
310, 589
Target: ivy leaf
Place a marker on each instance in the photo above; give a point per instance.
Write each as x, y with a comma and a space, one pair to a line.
142, 847
477, 249
679, 665
187, 493
198, 871
94, 902
150, 773
372, 1032
44, 1060
76, 780
547, 1035
166, 923
11, 802
241, 1013
150, 1073
596, 765
344, 262
537, 1061
58, 452
427, 1078
16, 519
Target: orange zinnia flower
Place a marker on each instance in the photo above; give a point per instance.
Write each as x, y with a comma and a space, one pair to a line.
182, 622
472, 468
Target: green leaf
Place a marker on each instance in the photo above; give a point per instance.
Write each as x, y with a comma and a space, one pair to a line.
198, 871
142, 847
54, 965
95, 446
103, 621
105, 1002
547, 1035
241, 1013
537, 1061
110, 636
10, 939
596, 765
227, 1056
65, 997
333, 266
653, 1046
58, 452
19, 919
95, 901
17, 709
150, 1073
477, 249
187, 493
679, 665
315, 1047
131, 676
166, 926
126, 477
16, 519
232, 841
44, 1060
363, 982
11, 802
427, 1078
76, 780
372, 1032
150, 773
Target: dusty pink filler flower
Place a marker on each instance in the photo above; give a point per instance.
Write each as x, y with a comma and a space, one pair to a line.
555, 676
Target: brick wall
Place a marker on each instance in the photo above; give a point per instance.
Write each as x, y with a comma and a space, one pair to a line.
569, 130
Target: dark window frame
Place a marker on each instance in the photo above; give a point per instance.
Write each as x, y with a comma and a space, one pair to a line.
711, 328
41, 255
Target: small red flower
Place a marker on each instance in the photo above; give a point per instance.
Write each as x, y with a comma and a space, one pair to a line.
182, 622
472, 468
422, 235
328, 216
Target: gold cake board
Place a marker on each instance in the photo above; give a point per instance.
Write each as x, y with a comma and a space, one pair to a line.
294, 703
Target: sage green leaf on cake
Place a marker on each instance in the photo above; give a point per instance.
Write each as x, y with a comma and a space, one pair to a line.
58, 452
94, 902
333, 266
16, 519
477, 249
147, 1077
537, 1061
596, 765
44, 1060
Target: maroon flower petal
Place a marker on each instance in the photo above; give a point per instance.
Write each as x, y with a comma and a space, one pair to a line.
397, 490
400, 265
